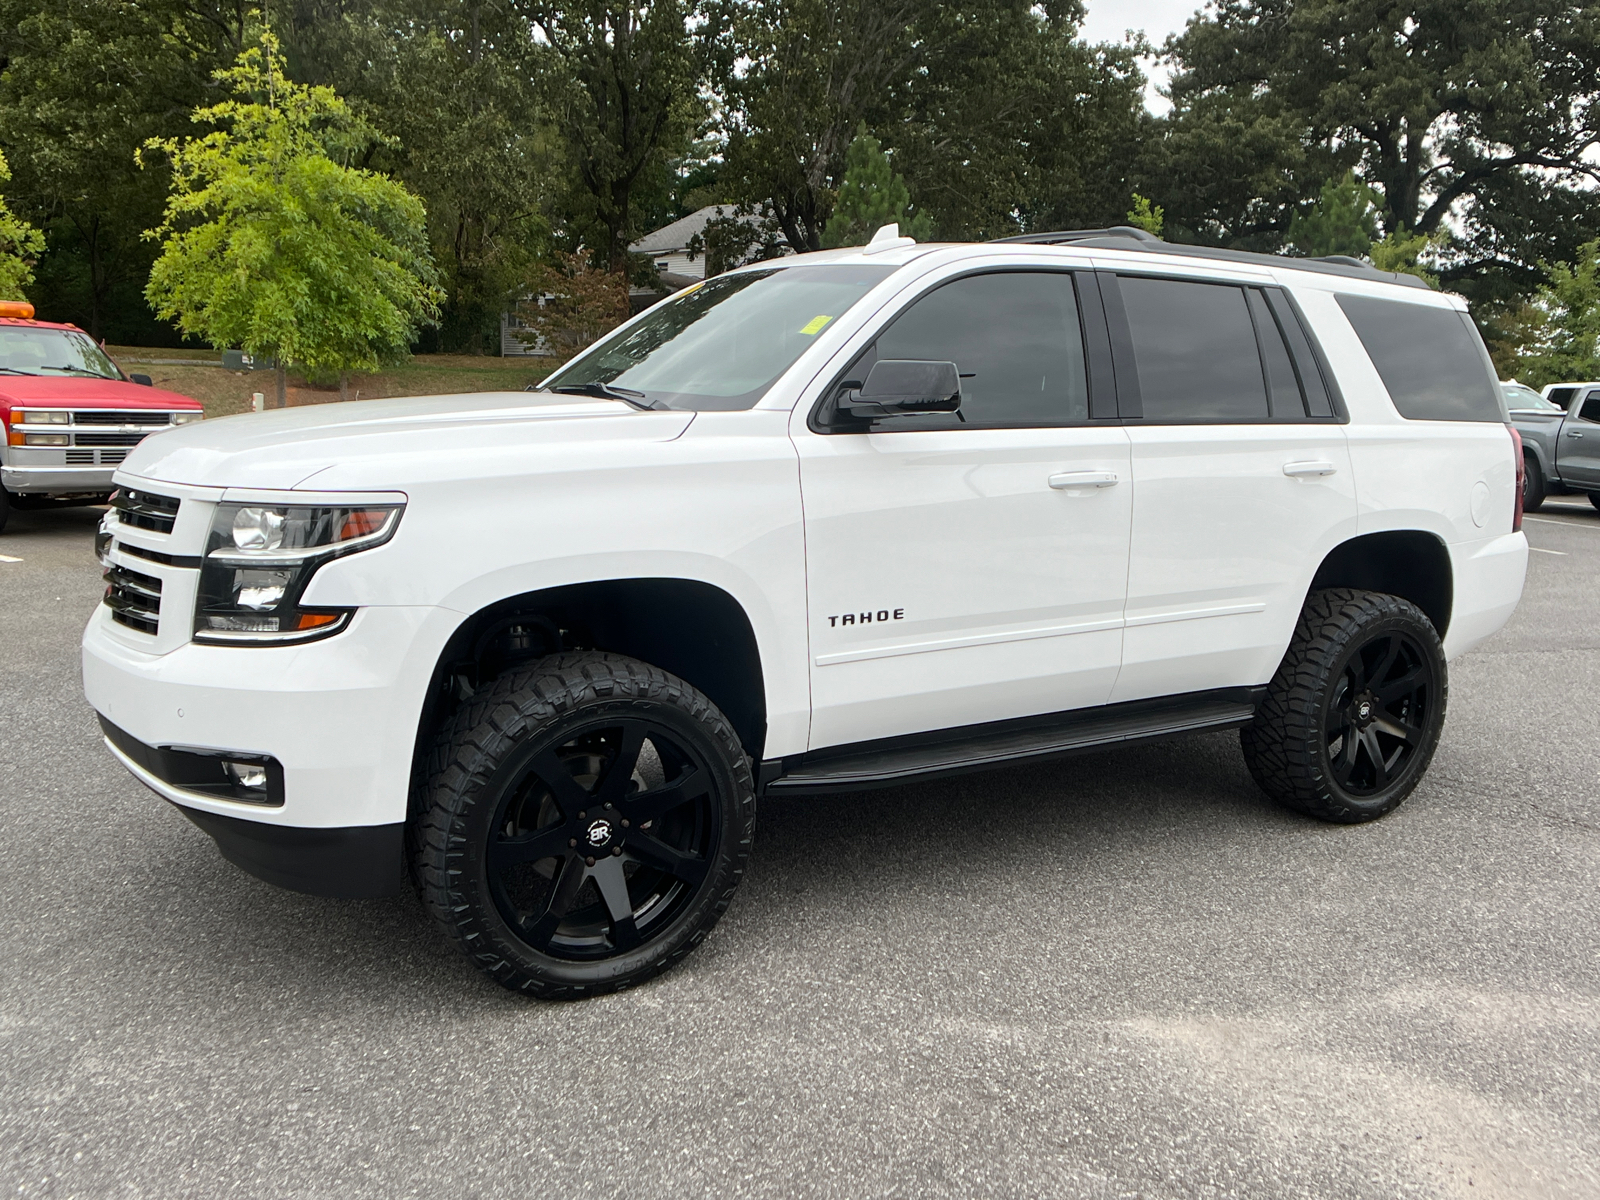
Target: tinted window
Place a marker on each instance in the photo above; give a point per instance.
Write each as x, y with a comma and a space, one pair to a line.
1282, 384
1016, 340
1591, 407
1195, 347
1431, 359
1562, 396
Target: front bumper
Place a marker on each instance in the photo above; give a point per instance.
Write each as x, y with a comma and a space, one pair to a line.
56, 481
339, 715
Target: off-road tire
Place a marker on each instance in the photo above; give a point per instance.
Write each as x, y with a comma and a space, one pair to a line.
1533, 489
506, 728
5, 508
1287, 746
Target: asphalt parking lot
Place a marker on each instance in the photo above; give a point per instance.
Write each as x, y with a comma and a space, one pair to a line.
1123, 975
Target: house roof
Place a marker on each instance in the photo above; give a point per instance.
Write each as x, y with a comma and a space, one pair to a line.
674, 237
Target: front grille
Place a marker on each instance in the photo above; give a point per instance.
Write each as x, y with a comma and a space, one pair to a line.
146, 510
134, 599
80, 458
108, 439
108, 457
102, 417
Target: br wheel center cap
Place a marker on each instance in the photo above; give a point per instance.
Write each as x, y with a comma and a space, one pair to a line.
599, 833
1364, 710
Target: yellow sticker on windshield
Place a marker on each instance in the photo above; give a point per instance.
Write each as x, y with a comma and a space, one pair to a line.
814, 325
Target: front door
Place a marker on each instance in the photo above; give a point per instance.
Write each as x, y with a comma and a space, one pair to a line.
1241, 481
969, 568
1578, 447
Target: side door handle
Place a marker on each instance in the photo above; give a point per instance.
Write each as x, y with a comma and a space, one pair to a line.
1574, 433
1062, 480
1297, 470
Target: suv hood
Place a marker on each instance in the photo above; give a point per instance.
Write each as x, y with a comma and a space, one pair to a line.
387, 443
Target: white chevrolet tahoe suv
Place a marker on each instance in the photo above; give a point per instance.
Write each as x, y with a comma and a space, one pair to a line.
820, 524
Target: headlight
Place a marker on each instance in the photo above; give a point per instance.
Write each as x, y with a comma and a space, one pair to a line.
42, 416
47, 439
259, 559
185, 418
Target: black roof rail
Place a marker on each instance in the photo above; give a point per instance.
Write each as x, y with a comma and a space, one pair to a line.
1061, 236
1126, 237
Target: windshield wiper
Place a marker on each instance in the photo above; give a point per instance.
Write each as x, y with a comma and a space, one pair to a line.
14, 371
605, 391
79, 370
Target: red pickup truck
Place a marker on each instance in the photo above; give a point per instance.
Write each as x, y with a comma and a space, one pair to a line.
69, 413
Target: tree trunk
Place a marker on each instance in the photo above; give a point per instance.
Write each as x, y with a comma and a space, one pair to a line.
283, 384
344, 385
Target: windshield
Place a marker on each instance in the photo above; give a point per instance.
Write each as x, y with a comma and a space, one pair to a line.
721, 345
25, 351
1525, 399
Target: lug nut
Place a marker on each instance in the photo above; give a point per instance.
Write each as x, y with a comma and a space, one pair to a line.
624, 822
582, 815
589, 861
616, 849
572, 841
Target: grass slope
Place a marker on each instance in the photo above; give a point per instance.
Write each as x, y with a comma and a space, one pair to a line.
227, 392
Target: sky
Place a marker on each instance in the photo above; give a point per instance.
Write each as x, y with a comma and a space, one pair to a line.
1108, 20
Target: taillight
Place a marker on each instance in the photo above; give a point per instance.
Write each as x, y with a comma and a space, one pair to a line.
1522, 477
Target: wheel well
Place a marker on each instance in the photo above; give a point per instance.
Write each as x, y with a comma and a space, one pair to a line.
1402, 562
694, 630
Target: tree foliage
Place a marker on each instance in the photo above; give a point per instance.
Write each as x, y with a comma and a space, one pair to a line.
272, 243
871, 196
1344, 220
571, 304
1561, 334
20, 245
1478, 117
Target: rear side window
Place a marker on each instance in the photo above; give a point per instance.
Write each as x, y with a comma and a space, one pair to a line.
1431, 359
1591, 408
1562, 396
1016, 338
1196, 351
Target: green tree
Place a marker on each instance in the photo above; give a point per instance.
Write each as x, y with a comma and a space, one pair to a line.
1403, 252
1344, 220
457, 84
796, 78
20, 245
83, 84
622, 90
272, 243
1563, 336
870, 197
1146, 216
1476, 117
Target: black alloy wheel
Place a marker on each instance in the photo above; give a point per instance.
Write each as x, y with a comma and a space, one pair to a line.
601, 841
586, 824
1350, 721
1378, 714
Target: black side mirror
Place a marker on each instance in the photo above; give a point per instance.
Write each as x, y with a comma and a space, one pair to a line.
142, 380
905, 385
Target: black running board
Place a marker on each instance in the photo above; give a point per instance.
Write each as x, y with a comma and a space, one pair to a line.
891, 761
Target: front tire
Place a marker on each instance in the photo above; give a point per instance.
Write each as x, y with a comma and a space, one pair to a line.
587, 821
1353, 715
5, 508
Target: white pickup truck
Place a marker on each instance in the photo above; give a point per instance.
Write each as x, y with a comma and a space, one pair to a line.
837, 521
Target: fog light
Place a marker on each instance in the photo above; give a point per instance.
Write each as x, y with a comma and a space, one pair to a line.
248, 775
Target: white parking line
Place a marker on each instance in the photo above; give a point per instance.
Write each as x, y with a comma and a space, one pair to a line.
8, 558
1542, 550
1568, 524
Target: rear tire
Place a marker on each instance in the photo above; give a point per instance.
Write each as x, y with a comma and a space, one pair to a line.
1533, 491
1594, 499
586, 823
1353, 715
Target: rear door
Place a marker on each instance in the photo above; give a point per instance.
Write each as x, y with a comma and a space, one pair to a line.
1241, 478
1578, 447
